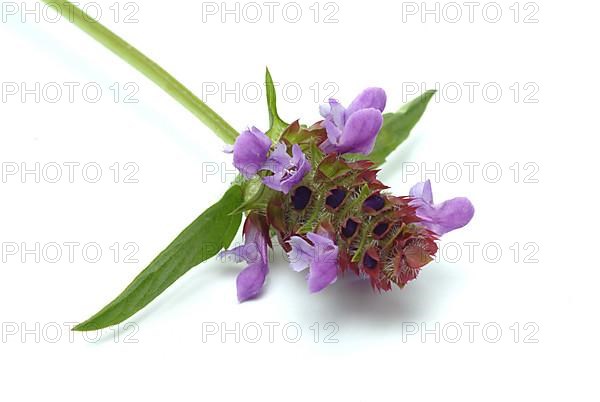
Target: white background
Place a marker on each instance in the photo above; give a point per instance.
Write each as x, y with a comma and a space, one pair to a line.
381, 350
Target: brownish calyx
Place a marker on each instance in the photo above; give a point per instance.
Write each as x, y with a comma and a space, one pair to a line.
378, 235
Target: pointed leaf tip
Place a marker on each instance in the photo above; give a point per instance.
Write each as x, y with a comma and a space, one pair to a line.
211, 232
277, 125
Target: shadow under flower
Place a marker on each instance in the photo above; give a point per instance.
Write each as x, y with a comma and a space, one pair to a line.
351, 301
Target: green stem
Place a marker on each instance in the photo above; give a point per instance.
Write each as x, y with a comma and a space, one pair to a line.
147, 67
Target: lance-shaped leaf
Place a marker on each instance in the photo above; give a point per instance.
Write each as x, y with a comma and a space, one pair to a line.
211, 232
397, 127
277, 125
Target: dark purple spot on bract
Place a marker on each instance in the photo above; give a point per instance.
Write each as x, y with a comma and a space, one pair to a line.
369, 262
301, 197
374, 202
381, 228
335, 199
350, 228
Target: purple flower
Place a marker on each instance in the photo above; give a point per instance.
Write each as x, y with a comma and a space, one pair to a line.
288, 170
251, 155
354, 129
440, 218
254, 251
321, 256
250, 151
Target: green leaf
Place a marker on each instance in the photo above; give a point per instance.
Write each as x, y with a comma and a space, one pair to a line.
277, 125
397, 127
211, 232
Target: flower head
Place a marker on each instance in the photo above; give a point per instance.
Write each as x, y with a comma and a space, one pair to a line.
354, 130
254, 251
343, 219
321, 255
440, 218
288, 171
250, 151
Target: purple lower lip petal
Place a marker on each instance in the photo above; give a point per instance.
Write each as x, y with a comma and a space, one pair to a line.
441, 218
254, 251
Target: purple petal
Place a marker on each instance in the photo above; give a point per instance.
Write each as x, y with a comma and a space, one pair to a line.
360, 132
354, 129
334, 133
289, 171
274, 182
370, 98
298, 156
323, 272
328, 147
447, 216
254, 235
335, 120
278, 160
324, 266
292, 181
441, 218
251, 280
335, 112
247, 252
301, 166
250, 151
301, 254
321, 256
262, 137
320, 241
422, 190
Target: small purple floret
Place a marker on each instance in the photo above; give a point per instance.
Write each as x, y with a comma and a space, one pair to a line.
354, 130
251, 155
288, 171
321, 256
254, 251
440, 218
250, 151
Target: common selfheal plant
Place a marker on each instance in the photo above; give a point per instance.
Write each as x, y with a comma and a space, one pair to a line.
313, 188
